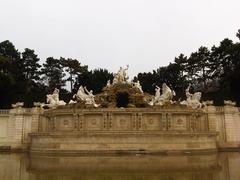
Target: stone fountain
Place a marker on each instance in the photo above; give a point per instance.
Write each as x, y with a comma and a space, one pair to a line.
124, 119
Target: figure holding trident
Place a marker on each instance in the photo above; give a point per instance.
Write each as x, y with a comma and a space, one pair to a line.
121, 76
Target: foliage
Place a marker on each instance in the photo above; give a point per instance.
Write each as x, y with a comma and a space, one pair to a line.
214, 71
94, 79
53, 73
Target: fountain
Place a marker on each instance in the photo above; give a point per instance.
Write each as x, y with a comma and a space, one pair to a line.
124, 119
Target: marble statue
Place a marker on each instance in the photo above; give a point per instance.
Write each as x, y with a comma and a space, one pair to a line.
138, 86
53, 99
38, 104
207, 103
193, 100
229, 103
166, 96
72, 102
18, 105
86, 96
121, 76
108, 84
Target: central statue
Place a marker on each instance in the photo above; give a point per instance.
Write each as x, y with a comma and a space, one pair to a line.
121, 76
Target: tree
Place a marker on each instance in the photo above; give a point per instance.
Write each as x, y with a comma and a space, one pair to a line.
148, 81
53, 73
7, 49
238, 34
94, 80
198, 67
12, 79
31, 65
74, 68
182, 61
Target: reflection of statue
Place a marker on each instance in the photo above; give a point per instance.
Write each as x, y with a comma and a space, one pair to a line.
138, 85
86, 96
166, 96
53, 99
121, 76
193, 100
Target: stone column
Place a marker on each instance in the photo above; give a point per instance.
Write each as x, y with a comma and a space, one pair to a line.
232, 122
36, 112
15, 128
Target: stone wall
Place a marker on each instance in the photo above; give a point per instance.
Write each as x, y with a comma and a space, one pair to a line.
16, 124
226, 121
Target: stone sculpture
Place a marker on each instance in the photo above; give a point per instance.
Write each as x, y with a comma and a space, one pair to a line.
166, 96
53, 99
121, 76
229, 103
138, 86
193, 100
207, 103
85, 96
38, 104
108, 84
18, 105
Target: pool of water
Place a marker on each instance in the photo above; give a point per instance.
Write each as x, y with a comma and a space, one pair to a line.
220, 166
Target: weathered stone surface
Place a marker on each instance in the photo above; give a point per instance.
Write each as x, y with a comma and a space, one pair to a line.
16, 124
109, 97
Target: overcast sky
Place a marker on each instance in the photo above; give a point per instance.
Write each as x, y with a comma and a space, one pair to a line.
145, 34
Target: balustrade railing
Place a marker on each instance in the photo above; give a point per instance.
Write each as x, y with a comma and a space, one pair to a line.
4, 111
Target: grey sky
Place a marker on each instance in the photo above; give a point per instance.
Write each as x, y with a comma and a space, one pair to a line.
145, 34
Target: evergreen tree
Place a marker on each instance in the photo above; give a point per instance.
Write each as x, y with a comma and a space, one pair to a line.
31, 65
74, 68
238, 34
94, 80
53, 73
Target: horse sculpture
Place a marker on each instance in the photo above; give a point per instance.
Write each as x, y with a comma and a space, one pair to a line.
166, 96
193, 100
86, 96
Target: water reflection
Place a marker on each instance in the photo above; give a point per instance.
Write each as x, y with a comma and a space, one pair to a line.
223, 166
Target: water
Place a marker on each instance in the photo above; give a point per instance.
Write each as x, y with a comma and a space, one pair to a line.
221, 166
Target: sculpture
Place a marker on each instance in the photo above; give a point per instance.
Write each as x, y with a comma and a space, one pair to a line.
229, 103
138, 86
86, 96
166, 96
53, 99
38, 104
108, 84
18, 105
207, 103
193, 100
121, 76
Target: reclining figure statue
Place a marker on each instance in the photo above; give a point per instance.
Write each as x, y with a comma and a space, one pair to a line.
193, 100
86, 96
166, 96
53, 99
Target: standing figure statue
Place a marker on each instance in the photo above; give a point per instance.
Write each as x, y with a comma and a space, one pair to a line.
108, 84
138, 86
121, 76
55, 94
166, 96
53, 99
193, 100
